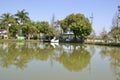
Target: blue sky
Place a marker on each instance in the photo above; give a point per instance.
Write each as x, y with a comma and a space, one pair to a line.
43, 10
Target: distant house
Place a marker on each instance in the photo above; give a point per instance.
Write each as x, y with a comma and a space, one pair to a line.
4, 34
67, 36
96, 40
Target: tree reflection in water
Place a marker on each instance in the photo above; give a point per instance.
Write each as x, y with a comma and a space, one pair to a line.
114, 54
74, 57
19, 55
75, 61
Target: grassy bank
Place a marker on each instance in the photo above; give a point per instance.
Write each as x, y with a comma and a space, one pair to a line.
15, 40
91, 43
104, 44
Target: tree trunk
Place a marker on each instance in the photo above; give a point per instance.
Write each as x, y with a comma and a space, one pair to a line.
28, 36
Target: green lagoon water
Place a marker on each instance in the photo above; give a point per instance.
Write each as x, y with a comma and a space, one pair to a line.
45, 61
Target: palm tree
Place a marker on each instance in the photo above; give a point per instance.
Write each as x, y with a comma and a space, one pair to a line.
7, 19
22, 16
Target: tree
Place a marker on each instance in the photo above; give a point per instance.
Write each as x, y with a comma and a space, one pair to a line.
22, 16
78, 24
14, 30
92, 36
115, 33
43, 27
54, 29
7, 19
53, 32
104, 35
29, 28
116, 20
115, 30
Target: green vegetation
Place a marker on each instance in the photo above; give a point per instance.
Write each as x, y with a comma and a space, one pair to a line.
20, 24
78, 24
110, 38
76, 61
113, 53
19, 54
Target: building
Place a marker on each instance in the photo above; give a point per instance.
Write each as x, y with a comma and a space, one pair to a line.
4, 34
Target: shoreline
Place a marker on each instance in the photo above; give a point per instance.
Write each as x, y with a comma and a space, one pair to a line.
103, 44
15, 40
90, 43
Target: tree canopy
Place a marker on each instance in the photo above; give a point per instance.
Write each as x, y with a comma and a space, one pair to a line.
115, 30
78, 24
22, 16
20, 24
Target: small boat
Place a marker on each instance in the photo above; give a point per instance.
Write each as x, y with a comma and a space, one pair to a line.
54, 40
20, 37
46, 40
54, 44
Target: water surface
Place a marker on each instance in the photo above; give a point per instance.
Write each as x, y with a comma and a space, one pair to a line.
45, 61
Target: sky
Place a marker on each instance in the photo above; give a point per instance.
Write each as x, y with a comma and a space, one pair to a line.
43, 10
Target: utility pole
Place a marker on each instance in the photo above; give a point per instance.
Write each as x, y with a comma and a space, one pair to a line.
118, 16
91, 18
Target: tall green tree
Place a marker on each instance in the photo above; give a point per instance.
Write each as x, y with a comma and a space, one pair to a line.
115, 33
6, 19
115, 30
116, 20
29, 28
22, 16
14, 30
42, 28
78, 24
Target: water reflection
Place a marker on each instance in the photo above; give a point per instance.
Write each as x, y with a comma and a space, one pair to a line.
114, 54
73, 57
76, 58
88, 62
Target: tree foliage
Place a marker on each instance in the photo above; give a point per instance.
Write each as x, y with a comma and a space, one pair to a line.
7, 19
115, 33
42, 26
116, 20
78, 24
29, 28
20, 23
104, 35
22, 16
115, 30
76, 61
